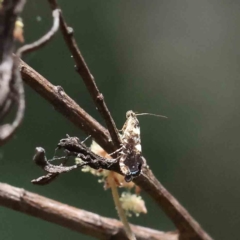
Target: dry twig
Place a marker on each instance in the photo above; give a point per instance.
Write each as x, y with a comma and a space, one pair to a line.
84, 72
44, 39
73, 147
65, 105
11, 88
71, 217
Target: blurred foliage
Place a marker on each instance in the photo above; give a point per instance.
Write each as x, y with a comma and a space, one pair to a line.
176, 58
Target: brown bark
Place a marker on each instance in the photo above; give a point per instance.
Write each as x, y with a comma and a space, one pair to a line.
70, 217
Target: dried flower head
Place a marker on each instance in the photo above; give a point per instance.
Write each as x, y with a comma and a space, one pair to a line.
118, 178
132, 203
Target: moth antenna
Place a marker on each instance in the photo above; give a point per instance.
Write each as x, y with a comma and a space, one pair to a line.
151, 114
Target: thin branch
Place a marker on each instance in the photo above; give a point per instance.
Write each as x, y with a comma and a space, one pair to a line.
70, 217
44, 39
46, 179
8, 104
17, 94
18, 86
65, 105
84, 72
121, 213
72, 147
147, 181
185, 223
8, 15
11, 87
41, 160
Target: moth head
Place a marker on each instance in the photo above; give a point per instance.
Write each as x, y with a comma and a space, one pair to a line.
136, 169
134, 173
134, 164
130, 113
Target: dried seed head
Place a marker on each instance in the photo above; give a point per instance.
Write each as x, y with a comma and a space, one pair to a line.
132, 203
99, 150
104, 174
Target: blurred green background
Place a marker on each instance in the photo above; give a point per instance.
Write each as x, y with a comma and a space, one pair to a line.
176, 58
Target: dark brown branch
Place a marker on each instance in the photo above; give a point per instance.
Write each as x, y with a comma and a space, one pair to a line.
17, 96
84, 72
66, 106
41, 160
73, 218
189, 228
11, 88
45, 179
73, 147
44, 39
53, 171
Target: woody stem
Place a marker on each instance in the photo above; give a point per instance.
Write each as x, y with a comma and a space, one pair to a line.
119, 208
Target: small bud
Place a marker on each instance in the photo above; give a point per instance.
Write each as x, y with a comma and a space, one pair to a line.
119, 179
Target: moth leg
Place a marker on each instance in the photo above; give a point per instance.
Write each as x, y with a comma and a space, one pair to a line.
55, 157
58, 158
118, 150
123, 128
123, 167
111, 161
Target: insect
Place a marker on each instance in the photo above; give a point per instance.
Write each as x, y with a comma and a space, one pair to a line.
130, 156
130, 153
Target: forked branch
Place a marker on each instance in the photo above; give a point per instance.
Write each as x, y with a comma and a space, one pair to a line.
147, 181
83, 70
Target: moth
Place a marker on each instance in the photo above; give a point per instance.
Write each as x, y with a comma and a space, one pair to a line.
129, 157
130, 154
131, 160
